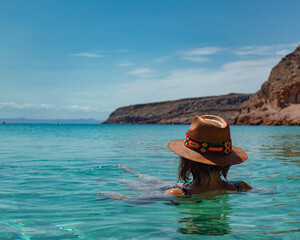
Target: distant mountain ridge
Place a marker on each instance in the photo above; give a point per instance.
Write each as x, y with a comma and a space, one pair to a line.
48, 121
179, 111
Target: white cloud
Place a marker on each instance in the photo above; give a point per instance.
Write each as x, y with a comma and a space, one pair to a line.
97, 55
162, 59
126, 64
198, 54
238, 76
79, 108
31, 106
282, 52
201, 54
86, 54
13, 105
46, 111
276, 50
254, 50
195, 58
122, 51
201, 51
141, 71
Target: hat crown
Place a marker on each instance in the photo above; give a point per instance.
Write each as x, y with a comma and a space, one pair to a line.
209, 128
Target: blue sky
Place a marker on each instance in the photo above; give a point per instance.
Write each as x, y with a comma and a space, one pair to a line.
83, 59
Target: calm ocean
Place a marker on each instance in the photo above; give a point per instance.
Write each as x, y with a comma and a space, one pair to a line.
56, 181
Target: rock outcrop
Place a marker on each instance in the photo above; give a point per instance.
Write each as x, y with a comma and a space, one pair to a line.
278, 100
179, 111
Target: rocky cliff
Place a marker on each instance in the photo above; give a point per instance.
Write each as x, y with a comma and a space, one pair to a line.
179, 111
278, 100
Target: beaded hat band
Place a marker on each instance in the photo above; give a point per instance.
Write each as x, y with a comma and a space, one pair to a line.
208, 141
210, 148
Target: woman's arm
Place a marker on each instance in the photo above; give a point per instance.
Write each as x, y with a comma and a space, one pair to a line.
145, 177
113, 195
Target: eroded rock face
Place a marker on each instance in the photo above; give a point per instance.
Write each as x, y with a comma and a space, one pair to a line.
288, 94
180, 111
278, 100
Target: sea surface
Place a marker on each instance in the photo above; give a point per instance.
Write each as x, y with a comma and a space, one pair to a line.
67, 182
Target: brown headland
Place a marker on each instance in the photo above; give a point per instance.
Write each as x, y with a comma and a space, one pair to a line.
179, 111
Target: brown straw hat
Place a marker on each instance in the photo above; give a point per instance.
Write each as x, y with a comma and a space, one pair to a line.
208, 141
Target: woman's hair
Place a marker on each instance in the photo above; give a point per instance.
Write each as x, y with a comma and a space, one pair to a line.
199, 171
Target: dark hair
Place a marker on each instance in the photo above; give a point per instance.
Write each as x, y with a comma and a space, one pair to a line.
199, 171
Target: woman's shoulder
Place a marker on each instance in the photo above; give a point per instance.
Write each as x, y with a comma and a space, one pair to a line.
241, 185
177, 190
174, 191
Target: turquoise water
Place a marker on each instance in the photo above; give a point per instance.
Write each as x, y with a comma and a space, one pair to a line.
56, 181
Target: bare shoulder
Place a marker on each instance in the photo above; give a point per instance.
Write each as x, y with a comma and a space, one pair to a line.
174, 191
245, 185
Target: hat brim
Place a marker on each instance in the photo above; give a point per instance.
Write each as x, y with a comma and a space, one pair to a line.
236, 156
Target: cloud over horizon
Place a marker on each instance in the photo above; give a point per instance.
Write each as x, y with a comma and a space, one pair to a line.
125, 64
46, 111
198, 54
86, 54
237, 76
141, 72
14, 105
279, 50
158, 79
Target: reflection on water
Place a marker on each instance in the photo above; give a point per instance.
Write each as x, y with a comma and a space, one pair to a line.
284, 137
283, 147
210, 217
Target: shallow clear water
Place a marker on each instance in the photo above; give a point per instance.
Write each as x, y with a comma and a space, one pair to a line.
56, 181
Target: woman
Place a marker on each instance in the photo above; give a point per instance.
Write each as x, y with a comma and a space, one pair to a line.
206, 153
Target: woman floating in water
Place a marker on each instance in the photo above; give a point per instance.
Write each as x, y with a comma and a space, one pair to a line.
206, 153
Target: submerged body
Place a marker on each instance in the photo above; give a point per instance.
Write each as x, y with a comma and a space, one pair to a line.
192, 188
206, 178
